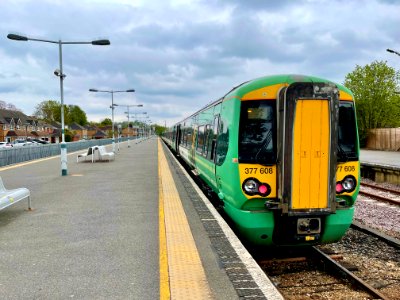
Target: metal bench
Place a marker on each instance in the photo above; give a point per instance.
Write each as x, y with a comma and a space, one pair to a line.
10, 197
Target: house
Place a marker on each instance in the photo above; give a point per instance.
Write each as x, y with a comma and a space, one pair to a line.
79, 132
131, 131
91, 131
16, 125
99, 135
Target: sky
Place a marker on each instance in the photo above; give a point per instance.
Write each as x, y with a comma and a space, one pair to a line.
180, 55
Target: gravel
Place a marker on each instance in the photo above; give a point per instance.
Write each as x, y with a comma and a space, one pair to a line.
381, 216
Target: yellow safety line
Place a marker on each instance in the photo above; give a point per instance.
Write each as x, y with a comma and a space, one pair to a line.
164, 277
186, 275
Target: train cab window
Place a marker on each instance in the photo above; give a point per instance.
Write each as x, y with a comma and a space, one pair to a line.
257, 138
347, 135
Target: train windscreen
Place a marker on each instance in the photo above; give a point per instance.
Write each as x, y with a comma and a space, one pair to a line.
257, 137
347, 135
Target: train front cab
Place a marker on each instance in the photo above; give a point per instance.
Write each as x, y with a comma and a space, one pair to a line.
305, 169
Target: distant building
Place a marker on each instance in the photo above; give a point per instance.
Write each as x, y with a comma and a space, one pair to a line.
79, 132
16, 125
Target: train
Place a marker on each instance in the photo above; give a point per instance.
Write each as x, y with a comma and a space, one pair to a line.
281, 152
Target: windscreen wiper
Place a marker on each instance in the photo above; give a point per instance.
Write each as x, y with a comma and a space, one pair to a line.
342, 154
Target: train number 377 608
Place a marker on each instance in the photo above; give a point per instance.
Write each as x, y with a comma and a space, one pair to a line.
346, 168
258, 171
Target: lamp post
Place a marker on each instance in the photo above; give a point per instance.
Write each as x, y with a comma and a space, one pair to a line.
112, 108
392, 51
135, 116
59, 73
127, 108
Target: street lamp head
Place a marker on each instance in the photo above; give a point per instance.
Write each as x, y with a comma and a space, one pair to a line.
93, 90
390, 50
130, 91
16, 37
101, 42
58, 73
140, 105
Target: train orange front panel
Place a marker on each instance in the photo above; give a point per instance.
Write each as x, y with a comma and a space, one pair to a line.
310, 155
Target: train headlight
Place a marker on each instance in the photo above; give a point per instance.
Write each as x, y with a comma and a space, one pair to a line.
347, 185
250, 186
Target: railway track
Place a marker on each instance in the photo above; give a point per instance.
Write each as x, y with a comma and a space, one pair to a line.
396, 192
370, 231
316, 274
342, 271
390, 196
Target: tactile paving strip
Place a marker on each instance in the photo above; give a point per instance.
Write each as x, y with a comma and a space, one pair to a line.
187, 278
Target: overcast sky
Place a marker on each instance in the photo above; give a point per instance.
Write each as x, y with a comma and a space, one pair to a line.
180, 55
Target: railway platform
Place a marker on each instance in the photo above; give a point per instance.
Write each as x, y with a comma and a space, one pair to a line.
132, 228
380, 166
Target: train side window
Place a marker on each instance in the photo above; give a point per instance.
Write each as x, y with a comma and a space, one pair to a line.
208, 141
222, 143
190, 137
200, 139
213, 139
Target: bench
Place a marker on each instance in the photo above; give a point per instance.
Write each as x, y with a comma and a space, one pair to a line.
10, 197
103, 154
88, 153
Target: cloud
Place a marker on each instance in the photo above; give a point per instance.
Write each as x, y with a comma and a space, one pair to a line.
180, 55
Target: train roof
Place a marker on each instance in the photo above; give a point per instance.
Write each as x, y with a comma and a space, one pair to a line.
264, 81
260, 82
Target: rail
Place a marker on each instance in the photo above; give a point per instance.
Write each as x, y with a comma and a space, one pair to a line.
349, 275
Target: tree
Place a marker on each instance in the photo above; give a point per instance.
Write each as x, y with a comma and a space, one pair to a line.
76, 115
48, 111
106, 122
159, 129
375, 89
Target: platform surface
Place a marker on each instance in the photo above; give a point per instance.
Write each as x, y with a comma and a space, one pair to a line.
380, 158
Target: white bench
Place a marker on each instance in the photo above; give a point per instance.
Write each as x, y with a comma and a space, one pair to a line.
88, 153
10, 197
103, 154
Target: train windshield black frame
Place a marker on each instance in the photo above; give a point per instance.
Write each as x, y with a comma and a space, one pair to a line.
347, 135
257, 132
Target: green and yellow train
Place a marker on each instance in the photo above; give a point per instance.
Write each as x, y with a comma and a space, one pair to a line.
282, 154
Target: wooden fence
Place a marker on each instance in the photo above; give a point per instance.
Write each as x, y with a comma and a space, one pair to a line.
384, 139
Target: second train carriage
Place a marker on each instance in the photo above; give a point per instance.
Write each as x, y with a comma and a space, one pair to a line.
282, 154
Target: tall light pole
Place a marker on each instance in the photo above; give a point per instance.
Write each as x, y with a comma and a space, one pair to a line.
136, 117
112, 108
392, 51
127, 108
59, 73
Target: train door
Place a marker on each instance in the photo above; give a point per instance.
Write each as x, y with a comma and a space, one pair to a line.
178, 137
307, 139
